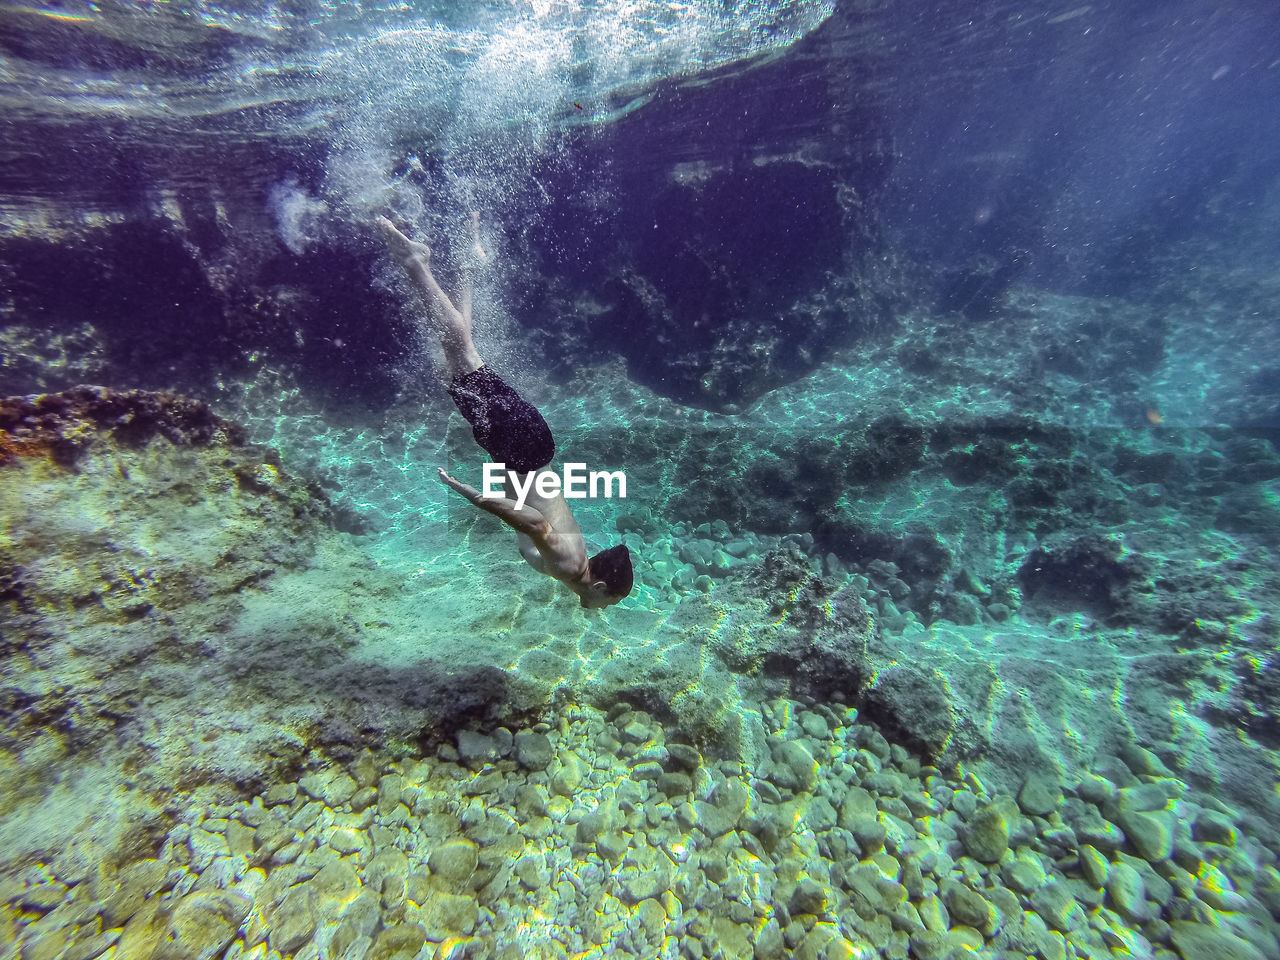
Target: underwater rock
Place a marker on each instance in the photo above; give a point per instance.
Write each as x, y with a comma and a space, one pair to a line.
146, 540
664, 863
917, 706
229, 292
987, 836
128, 513
794, 767
970, 907
202, 924
1193, 939
38, 359
724, 263
821, 632
60, 426
1039, 795
533, 750
454, 862
775, 210
1081, 572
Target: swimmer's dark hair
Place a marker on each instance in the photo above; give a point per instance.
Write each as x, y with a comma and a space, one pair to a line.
613, 566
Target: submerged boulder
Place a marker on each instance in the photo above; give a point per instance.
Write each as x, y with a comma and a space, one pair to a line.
115, 500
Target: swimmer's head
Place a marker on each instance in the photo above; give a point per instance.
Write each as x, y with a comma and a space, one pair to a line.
611, 577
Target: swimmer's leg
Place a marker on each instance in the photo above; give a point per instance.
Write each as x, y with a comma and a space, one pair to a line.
471, 262
450, 324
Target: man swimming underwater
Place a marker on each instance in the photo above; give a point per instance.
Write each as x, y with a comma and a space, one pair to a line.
512, 432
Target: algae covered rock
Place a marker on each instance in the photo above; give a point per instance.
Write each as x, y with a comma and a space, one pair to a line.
62, 426
987, 837
454, 861
144, 500
916, 706
138, 522
811, 630
202, 924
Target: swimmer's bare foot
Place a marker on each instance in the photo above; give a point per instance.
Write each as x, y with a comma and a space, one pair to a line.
401, 247
416, 259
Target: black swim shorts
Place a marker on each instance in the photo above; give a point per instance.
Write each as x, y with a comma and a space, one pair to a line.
510, 429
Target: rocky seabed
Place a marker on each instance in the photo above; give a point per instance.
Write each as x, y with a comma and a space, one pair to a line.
596, 835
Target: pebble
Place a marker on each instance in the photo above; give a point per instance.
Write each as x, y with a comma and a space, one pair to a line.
815, 725
533, 750
769, 944
293, 921
339, 790
920, 804
1200, 940
987, 836
1039, 796
201, 925
858, 805
726, 808
971, 908
280, 793
43, 897
474, 748
133, 885
347, 840
964, 803
1128, 892
635, 731
794, 766
809, 896
1096, 832
402, 940
454, 861
1142, 761
338, 884
1056, 907
390, 790
1150, 832
91, 947
1211, 827
675, 784
884, 783
820, 815
1024, 874
870, 834
1096, 790
1093, 865
204, 845
567, 776
532, 871
685, 755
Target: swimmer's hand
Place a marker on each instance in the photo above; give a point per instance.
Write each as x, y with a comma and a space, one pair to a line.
453, 483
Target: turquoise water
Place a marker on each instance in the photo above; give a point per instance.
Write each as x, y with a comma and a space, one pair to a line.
937, 347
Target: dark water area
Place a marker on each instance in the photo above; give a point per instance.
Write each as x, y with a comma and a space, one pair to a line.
1082, 149
1097, 149
1098, 146
937, 343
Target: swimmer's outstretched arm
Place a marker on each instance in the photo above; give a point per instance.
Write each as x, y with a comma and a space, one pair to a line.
526, 520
